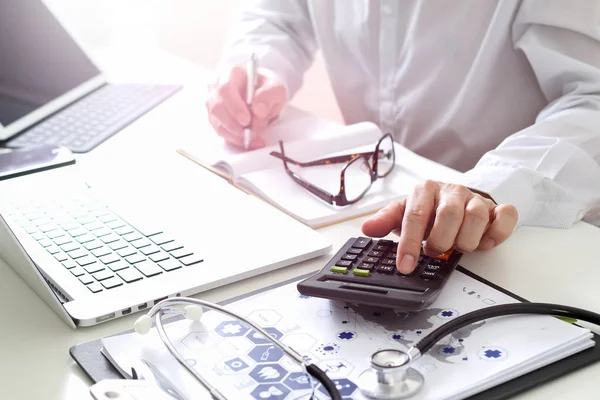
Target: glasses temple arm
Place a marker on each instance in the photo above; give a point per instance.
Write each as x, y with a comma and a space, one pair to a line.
323, 161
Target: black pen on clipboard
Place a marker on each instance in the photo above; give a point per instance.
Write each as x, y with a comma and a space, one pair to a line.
251, 78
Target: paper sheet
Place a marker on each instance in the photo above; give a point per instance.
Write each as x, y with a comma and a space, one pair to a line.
340, 338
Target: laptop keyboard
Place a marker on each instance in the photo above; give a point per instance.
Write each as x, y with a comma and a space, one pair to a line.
88, 122
97, 246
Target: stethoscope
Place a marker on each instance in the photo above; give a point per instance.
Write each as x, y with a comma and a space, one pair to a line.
389, 376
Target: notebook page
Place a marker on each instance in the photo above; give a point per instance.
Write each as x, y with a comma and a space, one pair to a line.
340, 339
295, 124
276, 187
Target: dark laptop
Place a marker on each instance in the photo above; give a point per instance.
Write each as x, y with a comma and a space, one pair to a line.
51, 92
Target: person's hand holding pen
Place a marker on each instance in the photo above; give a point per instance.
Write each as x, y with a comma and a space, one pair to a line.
230, 113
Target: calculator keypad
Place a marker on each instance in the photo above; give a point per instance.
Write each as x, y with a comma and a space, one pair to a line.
366, 256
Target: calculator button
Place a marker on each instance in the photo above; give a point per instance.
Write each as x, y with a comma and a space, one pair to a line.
385, 242
375, 253
354, 251
362, 242
366, 266
384, 268
405, 275
361, 272
388, 261
428, 274
433, 267
444, 256
381, 248
435, 261
344, 263
339, 270
350, 257
371, 260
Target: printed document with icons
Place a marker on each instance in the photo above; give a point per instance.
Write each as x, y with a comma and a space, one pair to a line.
340, 338
307, 137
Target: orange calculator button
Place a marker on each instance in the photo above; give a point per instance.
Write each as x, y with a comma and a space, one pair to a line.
444, 256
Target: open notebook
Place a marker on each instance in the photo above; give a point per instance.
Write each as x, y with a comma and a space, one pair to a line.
307, 137
340, 338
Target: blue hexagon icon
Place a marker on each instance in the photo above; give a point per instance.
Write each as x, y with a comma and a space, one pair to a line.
258, 338
231, 328
297, 381
236, 364
265, 353
272, 392
345, 386
267, 373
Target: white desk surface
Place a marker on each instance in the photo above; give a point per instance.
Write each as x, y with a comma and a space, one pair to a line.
558, 266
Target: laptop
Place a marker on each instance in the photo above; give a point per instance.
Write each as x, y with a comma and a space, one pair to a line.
99, 249
52, 92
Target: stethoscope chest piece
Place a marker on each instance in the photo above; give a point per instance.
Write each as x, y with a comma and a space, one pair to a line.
390, 377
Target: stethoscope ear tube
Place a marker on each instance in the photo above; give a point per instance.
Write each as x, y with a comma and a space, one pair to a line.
501, 310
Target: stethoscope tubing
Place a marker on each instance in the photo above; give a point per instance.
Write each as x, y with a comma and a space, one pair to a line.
558, 310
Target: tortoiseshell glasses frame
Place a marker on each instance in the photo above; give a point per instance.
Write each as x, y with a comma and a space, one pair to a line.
341, 198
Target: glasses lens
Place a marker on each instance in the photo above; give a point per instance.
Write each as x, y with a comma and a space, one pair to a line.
357, 179
386, 156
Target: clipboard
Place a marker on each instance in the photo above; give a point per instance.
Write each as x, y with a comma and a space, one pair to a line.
89, 358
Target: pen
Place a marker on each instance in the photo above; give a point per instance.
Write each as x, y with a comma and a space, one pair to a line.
251, 66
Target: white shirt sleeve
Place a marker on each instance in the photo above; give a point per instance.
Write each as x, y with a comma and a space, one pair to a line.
281, 35
550, 171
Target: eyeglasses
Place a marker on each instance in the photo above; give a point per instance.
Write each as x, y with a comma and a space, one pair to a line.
357, 176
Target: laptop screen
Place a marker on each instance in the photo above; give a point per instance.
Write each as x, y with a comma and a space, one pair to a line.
42, 68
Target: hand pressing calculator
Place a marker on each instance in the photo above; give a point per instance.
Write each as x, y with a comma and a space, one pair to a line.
364, 272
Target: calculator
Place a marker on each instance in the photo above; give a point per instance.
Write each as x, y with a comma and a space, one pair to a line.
364, 271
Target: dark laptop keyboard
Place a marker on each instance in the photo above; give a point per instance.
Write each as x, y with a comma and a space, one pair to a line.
88, 122
97, 246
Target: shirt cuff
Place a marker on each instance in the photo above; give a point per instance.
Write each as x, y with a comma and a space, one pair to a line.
539, 201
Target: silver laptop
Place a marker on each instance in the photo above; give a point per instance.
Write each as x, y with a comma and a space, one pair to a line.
52, 92
99, 251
